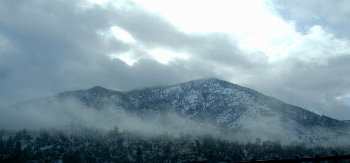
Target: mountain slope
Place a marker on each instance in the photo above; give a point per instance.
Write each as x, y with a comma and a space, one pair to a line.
224, 99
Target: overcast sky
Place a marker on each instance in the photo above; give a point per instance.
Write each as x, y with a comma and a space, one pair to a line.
297, 51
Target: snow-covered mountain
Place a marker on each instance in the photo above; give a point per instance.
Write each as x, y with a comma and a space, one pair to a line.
230, 107
209, 106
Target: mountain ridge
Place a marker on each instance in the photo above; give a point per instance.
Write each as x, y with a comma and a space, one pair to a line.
271, 100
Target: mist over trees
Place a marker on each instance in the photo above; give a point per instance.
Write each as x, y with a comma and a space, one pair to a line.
91, 145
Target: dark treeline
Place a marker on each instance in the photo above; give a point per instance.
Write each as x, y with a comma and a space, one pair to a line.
130, 147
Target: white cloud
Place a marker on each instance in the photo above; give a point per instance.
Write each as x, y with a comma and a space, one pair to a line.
98, 1
255, 24
161, 55
122, 35
318, 45
164, 56
126, 57
211, 15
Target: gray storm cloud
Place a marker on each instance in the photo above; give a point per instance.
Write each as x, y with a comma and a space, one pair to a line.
50, 47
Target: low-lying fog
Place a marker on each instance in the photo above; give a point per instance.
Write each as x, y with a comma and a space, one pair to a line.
69, 114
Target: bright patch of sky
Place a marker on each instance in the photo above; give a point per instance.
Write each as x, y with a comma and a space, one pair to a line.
127, 58
161, 55
100, 2
122, 35
164, 56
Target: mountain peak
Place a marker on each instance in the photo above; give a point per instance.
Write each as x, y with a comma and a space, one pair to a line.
208, 79
98, 89
218, 83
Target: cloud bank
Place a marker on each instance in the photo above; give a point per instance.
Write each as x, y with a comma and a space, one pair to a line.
50, 47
